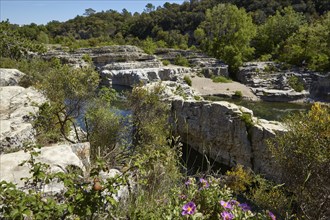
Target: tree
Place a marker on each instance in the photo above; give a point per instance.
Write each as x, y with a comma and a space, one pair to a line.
303, 154
13, 45
89, 11
310, 46
149, 8
273, 33
226, 34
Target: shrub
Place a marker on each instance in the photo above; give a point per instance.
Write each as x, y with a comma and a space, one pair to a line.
181, 61
187, 80
166, 62
296, 84
87, 58
238, 94
221, 79
303, 154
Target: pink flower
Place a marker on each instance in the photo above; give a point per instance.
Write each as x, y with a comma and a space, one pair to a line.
204, 183
189, 208
272, 216
227, 216
226, 205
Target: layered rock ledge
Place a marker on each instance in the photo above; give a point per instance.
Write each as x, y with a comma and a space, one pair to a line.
221, 131
17, 105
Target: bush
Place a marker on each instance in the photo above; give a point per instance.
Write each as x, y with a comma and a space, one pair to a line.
166, 62
296, 84
221, 79
187, 80
238, 94
181, 61
303, 154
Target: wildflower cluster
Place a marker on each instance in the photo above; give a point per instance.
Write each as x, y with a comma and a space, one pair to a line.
208, 199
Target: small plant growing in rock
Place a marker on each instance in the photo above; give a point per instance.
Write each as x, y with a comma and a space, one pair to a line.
166, 62
87, 58
187, 80
238, 94
296, 84
181, 61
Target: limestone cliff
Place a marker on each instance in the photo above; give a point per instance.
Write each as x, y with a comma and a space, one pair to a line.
221, 130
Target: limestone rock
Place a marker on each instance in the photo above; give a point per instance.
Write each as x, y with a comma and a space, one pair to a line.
171, 90
271, 82
218, 130
10, 77
59, 157
17, 104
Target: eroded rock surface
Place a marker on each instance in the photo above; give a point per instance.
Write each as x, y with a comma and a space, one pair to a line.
271, 82
59, 157
219, 130
17, 105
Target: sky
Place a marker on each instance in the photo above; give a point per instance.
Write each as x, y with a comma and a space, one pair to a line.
43, 11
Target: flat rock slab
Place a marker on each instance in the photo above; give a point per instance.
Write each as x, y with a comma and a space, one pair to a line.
205, 86
57, 156
16, 106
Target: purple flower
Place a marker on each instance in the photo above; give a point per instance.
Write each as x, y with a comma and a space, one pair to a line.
188, 182
204, 183
233, 202
227, 216
245, 207
272, 216
189, 208
182, 196
226, 205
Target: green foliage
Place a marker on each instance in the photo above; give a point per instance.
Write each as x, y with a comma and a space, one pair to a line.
45, 123
272, 34
13, 45
296, 84
303, 155
310, 46
105, 128
166, 62
181, 61
226, 34
187, 79
268, 195
221, 79
80, 199
87, 58
247, 118
239, 179
238, 94
149, 46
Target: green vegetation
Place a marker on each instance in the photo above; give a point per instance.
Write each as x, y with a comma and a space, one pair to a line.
238, 94
187, 79
181, 61
295, 32
222, 39
296, 84
248, 30
166, 62
303, 154
221, 79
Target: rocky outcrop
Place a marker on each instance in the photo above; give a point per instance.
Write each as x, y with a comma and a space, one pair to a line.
169, 90
10, 77
200, 62
272, 82
131, 77
320, 89
108, 57
17, 105
226, 133
59, 157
